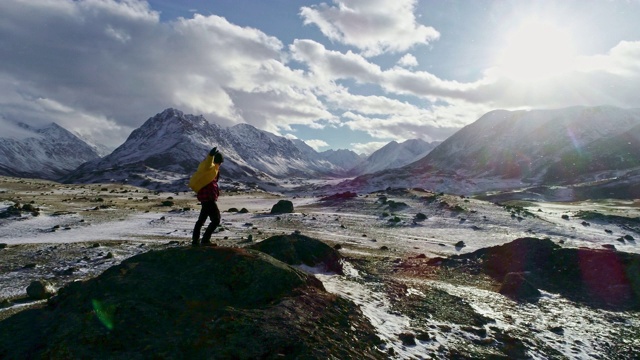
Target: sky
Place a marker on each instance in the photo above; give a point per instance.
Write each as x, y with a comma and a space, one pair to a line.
338, 74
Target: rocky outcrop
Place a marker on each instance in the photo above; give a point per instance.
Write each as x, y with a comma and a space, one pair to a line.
600, 278
195, 303
297, 249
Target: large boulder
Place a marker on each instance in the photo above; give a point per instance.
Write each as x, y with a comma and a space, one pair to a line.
297, 250
282, 207
40, 290
193, 303
597, 277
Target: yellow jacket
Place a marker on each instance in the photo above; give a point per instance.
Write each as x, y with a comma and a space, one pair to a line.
207, 172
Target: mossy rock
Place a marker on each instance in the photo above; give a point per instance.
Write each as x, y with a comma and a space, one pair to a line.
297, 249
195, 303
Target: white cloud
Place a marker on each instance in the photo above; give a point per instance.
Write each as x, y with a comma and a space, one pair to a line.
102, 67
367, 148
115, 61
316, 144
373, 26
408, 61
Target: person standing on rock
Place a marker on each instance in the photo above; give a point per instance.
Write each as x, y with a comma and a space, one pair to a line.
205, 183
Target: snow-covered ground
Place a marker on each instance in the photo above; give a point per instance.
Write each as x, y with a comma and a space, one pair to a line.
363, 226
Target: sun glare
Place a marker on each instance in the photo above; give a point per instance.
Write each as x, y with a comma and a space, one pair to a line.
536, 50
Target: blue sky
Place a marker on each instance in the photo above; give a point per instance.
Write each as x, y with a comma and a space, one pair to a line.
352, 74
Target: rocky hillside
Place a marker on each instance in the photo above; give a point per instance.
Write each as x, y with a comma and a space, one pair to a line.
193, 303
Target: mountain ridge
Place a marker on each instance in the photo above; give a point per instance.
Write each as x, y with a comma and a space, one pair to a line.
517, 149
47, 152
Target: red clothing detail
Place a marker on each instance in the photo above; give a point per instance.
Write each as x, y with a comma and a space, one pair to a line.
210, 192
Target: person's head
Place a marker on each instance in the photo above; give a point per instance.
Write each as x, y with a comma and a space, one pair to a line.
218, 158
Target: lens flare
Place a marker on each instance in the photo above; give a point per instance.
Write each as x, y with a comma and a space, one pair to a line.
104, 313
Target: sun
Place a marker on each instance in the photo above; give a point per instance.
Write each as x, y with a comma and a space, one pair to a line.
536, 50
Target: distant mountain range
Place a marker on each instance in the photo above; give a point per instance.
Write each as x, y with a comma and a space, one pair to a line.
577, 150
46, 153
167, 148
518, 149
394, 155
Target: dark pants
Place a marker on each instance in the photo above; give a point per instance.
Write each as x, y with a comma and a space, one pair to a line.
210, 210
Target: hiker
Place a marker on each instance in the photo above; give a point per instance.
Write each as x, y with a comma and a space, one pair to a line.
205, 183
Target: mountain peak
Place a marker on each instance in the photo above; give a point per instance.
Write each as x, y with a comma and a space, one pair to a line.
169, 113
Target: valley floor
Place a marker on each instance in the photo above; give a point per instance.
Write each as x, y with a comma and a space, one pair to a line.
73, 232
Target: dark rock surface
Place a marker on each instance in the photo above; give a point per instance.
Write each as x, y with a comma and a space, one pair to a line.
597, 277
196, 303
516, 286
297, 249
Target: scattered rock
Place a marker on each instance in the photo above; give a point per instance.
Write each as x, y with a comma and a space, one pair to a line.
421, 216
628, 237
282, 207
558, 330
3, 246
584, 223
565, 216
408, 339
69, 271
609, 246
243, 211
396, 205
460, 244
232, 209
384, 248
12, 211
40, 290
608, 231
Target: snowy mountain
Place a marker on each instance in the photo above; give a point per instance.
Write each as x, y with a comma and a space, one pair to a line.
47, 153
100, 149
275, 155
168, 147
394, 155
342, 159
517, 149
